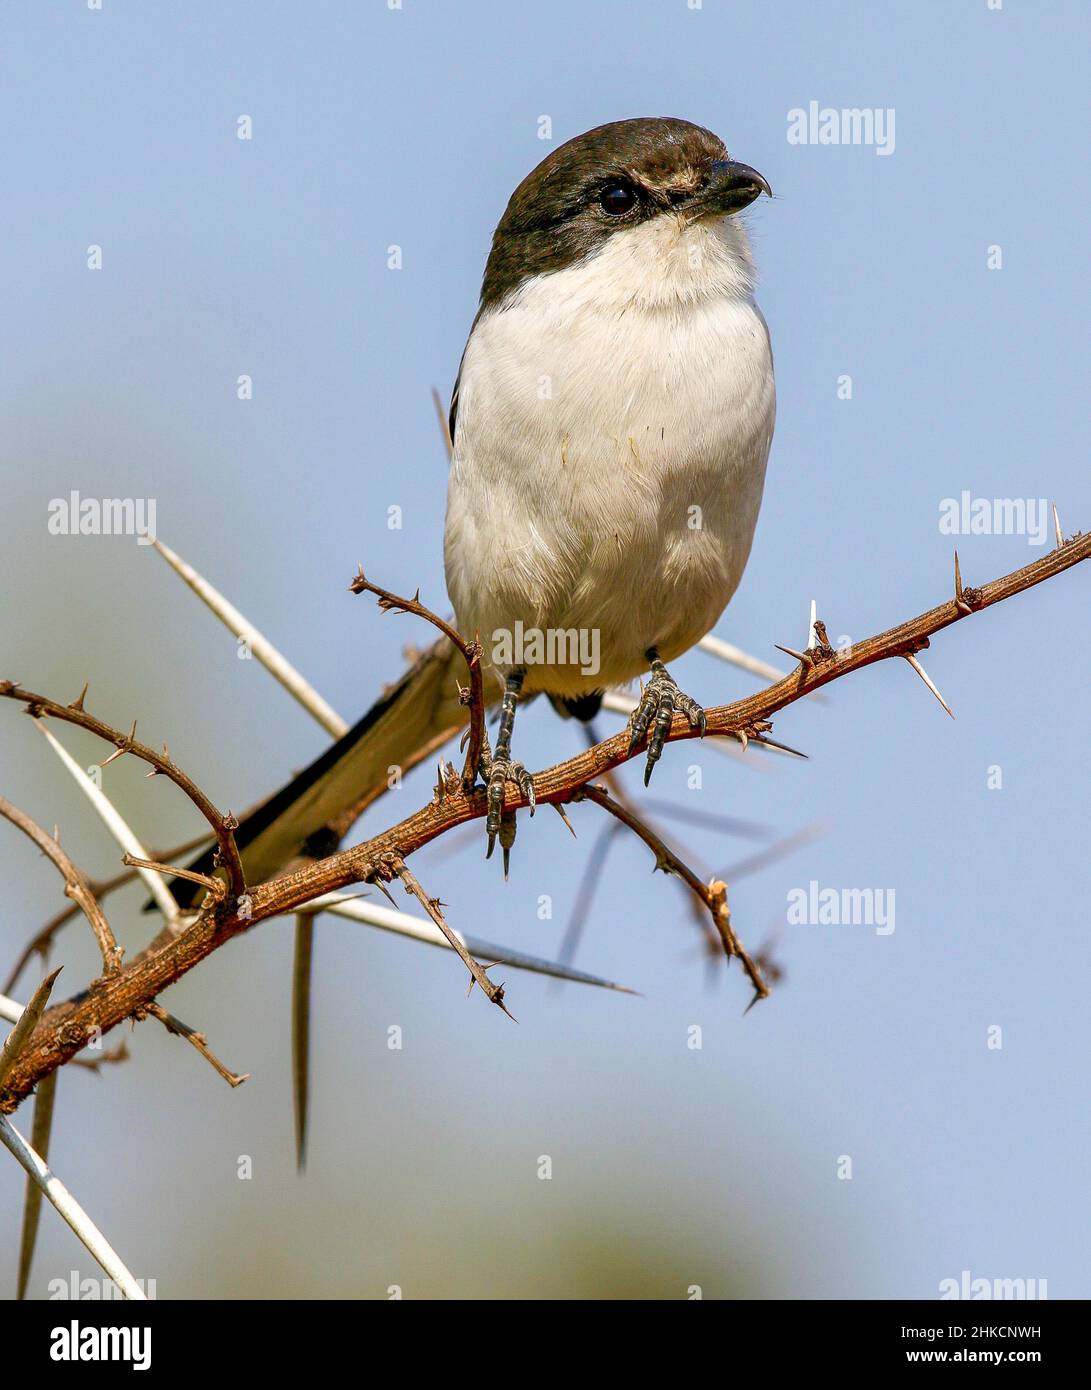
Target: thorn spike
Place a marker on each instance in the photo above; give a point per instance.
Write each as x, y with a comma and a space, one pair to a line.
928, 682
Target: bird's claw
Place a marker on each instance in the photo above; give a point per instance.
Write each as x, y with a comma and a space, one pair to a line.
660, 700
500, 824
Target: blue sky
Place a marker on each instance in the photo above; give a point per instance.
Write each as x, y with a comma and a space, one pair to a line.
268, 258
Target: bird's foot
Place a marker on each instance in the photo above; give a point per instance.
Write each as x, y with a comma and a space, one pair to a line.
660, 700
497, 773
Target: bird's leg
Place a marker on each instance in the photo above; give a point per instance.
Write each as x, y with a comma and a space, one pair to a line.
660, 699
498, 769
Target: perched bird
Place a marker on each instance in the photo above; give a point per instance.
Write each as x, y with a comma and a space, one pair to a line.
611, 423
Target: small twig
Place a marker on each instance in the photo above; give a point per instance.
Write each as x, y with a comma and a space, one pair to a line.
39, 944
76, 885
223, 827
713, 895
474, 697
198, 1040
215, 886
115, 1055
433, 906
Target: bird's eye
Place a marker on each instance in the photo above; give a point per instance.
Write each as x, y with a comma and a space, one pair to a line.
617, 198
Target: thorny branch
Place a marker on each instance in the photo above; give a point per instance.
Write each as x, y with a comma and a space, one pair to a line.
713, 895
67, 1027
223, 827
473, 696
41, 941
76, 886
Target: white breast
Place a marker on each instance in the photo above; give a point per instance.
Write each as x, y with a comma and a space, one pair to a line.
613, 427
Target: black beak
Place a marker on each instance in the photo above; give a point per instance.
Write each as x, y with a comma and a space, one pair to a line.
733, 186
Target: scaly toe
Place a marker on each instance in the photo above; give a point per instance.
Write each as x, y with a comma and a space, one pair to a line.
500, 823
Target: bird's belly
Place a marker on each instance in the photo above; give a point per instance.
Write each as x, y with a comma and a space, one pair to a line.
606, 483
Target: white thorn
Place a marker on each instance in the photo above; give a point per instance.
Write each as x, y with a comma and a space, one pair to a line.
716, 646
93, 1239
117, 826
421, 929
812, 636
278, 667
1057, 526
928, 682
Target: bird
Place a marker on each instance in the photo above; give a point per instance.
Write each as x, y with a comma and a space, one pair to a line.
610, 423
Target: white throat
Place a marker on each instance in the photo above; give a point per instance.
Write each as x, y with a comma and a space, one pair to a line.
664, 263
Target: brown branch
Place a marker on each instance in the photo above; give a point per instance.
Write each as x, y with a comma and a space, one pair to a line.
713, 894
433, 906
198, 1040
474, 697
66, 1028
214, 885
111, 1058
76, 885
223, 827
40, 943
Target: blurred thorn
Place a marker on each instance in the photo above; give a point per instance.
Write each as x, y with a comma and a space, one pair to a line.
418, 929
444, 423
716, 646
41, 1128
1057, 527
585, 894
301, 1030
742, 868
708, 820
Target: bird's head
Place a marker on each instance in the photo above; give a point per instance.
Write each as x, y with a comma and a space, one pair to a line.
653, 188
